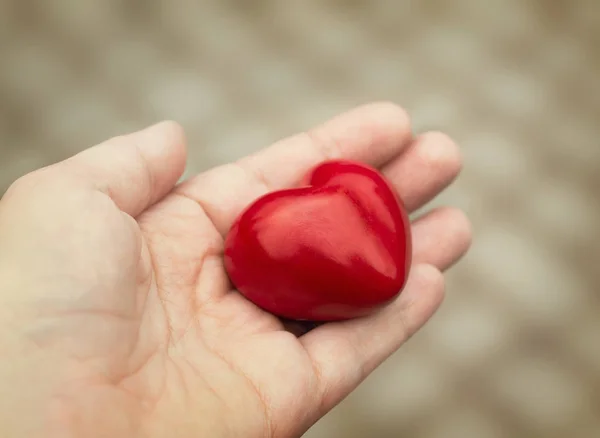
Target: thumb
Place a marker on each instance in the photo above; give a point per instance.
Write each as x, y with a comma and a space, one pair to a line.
135, 170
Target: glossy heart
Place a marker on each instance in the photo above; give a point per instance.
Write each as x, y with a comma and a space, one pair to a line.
335, 248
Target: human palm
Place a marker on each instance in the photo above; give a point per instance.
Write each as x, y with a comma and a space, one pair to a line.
113, 279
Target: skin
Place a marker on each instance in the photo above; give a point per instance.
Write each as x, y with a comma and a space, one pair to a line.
116, 315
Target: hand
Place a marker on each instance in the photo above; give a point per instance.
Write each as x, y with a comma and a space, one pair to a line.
116, 315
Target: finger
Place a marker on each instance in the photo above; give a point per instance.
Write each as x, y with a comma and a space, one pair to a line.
135, 170
429, 165
441, 237
345, 353
373, 134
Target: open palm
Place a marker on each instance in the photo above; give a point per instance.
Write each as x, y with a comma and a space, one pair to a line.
130, 304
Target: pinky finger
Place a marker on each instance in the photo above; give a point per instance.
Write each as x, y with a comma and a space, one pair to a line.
345, 353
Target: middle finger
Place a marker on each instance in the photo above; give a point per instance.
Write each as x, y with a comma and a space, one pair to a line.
429, 164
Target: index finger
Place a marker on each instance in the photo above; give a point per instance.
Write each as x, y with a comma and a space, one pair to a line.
373, 134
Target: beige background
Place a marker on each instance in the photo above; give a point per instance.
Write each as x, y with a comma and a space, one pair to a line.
515, 350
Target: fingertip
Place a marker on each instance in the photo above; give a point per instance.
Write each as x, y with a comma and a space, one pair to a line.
374, 133
391, 125
174, 130
390, 113
441, 237
163, 148
430, 164
440, 152
462, 229
166, 139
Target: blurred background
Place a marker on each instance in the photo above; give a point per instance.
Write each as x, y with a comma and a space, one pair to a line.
515, 349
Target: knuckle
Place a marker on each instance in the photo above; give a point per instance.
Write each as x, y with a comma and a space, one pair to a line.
326, 147
48, 185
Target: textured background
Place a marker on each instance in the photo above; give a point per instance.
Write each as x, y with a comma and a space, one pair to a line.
514, 351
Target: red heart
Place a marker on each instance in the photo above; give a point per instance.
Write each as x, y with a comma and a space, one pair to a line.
338, 247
